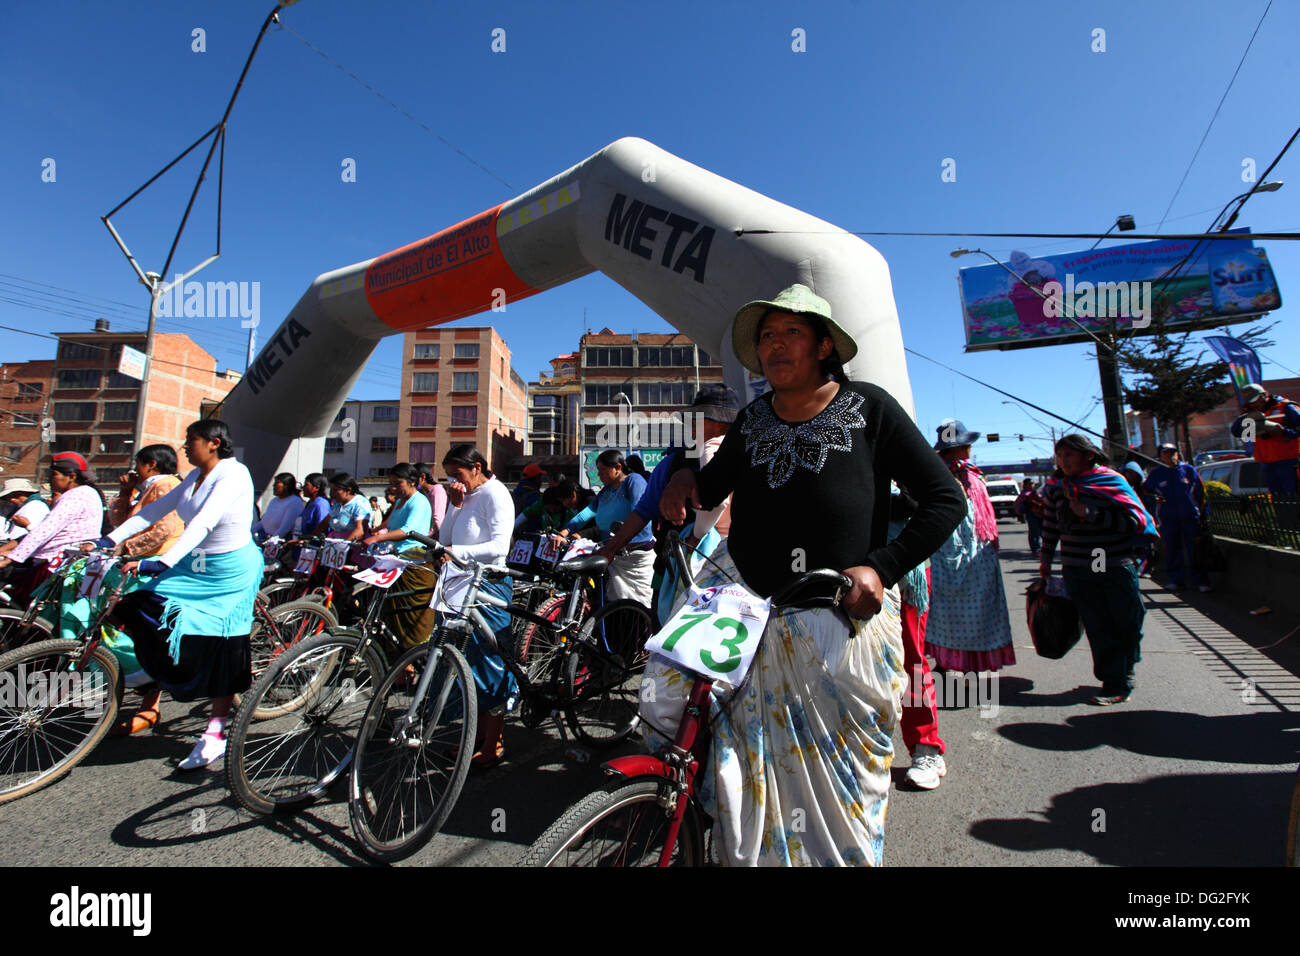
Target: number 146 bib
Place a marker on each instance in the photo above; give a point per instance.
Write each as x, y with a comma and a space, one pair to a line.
715, 633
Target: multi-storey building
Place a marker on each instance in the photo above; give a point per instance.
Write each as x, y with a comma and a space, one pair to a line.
655, 374
458, 386
24, 394
363, 440
94, 407
553, 403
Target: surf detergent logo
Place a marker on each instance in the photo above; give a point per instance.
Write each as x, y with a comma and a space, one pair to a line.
1243, 282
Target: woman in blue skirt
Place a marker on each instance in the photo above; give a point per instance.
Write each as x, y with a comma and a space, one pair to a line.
191, 621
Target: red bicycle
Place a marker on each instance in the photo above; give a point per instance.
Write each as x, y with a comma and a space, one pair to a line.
650, 814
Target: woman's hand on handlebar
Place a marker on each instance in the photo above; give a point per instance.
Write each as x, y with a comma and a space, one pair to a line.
680, 489
868, 592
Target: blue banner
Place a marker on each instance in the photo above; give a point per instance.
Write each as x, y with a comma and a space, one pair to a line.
1242, 361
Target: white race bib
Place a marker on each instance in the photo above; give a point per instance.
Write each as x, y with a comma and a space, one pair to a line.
386, 570
521, 553
716, 633
92, 579
547, 551
306, 561
271, 550
335, 554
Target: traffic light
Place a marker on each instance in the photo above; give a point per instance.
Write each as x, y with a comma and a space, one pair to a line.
1020, 438
993, 436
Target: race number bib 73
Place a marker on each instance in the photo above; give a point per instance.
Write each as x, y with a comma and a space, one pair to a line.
306, 561
335, 554
716, 633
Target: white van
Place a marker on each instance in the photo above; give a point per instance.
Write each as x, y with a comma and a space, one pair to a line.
1003, 493
1244, 476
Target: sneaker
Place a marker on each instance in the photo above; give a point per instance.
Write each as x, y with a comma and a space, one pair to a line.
927, 767
1108, 700
207, 750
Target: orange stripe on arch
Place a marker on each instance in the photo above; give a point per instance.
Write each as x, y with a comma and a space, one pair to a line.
449, 275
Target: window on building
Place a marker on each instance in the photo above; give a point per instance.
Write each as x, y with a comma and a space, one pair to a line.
24, 421
707, 359
668, 355
466, 350
464, 416
424, 416
591, 434
424, 382
464, 381
74, 412
78, 351
664, 393
543, 425
598, 357
546, 401
15, 452
421, 451
426, 350
605, 394
77, 443
119, 411
114, 444
383, 444
117, 380
30, 391
333, 445
386, 413
79, 378
343, 413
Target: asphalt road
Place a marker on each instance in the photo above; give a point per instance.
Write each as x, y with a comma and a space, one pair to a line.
1196, 769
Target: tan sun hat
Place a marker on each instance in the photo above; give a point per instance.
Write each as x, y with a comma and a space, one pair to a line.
15, 485
798, 299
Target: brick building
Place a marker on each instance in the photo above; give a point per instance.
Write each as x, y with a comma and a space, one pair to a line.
1207, 431
94, 407
458, 386
24, 394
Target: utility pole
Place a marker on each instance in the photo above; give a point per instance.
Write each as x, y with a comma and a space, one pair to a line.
1112, 394
154, 282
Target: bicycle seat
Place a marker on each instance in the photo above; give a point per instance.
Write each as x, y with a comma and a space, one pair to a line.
588, 562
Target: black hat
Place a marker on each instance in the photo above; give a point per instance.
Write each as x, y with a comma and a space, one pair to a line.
718, 403
953, 434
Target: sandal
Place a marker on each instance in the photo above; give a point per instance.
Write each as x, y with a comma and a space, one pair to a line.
140, 722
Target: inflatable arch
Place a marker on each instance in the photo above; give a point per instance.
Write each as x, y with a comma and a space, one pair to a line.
664, 229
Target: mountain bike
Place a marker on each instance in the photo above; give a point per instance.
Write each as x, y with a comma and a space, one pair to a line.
649, 814
416, 743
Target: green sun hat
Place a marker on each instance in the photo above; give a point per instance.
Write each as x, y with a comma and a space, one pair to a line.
798, 299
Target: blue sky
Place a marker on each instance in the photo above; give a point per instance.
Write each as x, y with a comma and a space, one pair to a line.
1048, 136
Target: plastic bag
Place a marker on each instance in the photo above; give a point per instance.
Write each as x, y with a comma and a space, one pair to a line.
1053, 619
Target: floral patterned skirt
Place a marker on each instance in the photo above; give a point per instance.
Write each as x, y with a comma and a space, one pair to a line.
798, 770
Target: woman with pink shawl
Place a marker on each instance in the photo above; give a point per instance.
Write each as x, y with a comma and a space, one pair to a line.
969, 628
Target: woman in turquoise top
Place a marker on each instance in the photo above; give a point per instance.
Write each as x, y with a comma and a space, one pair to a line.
632, 570
410, 616
350, 512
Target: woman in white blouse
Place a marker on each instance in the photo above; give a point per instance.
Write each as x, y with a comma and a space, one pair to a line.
282, 510
479, 520
191, 622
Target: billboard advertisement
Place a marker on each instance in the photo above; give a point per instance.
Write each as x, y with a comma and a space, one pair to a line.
1224, 281
587, 456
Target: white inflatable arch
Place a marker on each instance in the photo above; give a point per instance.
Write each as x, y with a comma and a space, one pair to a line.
662, 228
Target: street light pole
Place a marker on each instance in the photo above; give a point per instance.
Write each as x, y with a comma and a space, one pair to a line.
142, 409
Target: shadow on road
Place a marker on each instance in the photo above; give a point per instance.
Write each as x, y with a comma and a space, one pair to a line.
1262, 738
1184, 820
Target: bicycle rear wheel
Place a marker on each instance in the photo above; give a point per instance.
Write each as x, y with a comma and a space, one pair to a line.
288, 624
57, 713
16, 631
293, 736
621, 825
406, 778
602, 676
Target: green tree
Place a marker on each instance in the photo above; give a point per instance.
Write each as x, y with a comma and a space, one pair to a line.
1171, 378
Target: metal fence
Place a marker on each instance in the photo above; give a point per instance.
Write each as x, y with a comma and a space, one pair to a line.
1269, 519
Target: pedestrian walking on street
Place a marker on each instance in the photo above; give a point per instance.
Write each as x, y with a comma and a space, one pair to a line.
1183, 512
969, 629
1093, 513
1029, 506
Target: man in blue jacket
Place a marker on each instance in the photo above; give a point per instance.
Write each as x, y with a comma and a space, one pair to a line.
1183, 510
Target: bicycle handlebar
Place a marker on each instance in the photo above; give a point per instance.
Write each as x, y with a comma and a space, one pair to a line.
465, 564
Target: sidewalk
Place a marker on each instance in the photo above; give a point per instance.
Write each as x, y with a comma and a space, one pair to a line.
1195, 770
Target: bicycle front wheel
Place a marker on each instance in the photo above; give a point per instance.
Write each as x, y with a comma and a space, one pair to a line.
57, 713
293, 735
621, 825
16, 631
408, 773
602, 677
284, 626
